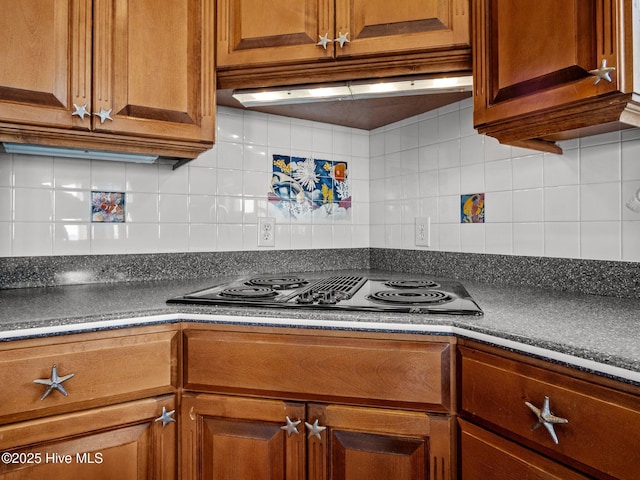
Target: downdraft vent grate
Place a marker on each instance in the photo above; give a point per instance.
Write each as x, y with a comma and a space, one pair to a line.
347, 285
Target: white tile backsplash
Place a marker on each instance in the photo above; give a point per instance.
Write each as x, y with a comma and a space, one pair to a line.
72, 239
174, 237
601, 240
5, 239
71, 206
570, 205
69, 174
562, 169
562, 239
108, 238
142, 237
33, 172
141, 208
33, 238
631, 241
32, 205
528, 205
528, 239
498, 238
527, 171
600, 163
501, 207
213, 203
600, 202
562, 204
497, 176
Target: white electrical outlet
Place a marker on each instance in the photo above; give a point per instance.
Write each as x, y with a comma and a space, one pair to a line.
423, 231
266, 232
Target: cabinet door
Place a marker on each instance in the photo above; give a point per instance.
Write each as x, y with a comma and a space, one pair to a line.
234, 437
365, 443
255, 32
154, 68
532, 55
122, 441
376, 27
45, 61
484, 455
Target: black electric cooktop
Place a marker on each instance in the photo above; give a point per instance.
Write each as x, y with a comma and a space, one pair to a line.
340, 291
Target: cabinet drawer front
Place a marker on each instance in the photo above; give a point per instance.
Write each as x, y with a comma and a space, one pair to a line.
352, 370
104, 370
603, 426
485, 455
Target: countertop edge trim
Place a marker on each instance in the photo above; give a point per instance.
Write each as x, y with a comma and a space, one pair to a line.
572, 360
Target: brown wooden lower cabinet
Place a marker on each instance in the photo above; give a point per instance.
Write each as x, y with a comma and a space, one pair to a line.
228, 437
258, 403
121, 441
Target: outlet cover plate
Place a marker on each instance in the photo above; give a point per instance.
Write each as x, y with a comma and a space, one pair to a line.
423, 231
266, 232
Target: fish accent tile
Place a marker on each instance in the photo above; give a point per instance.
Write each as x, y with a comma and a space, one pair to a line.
107, 207
472, 208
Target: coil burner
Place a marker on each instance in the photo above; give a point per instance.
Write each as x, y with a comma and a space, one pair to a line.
412, 284
249, 293
411, 297
278, 283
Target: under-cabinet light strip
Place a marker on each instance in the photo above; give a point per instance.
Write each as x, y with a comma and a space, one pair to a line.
352, 91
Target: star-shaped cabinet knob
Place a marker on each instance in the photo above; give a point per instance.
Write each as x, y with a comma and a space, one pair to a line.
104, 114
602, 73
324, 40
81, 111
546, 418
290, 427
166, 417
342, 39
314, 430
54, 382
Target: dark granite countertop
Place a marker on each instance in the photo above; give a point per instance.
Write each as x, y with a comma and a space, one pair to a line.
594, 333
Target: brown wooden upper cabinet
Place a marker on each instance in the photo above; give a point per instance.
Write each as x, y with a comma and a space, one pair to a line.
121, 75
550, 70
285, 42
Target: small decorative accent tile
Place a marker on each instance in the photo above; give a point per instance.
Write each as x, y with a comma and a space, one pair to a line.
306, 188
472, 208
107, 207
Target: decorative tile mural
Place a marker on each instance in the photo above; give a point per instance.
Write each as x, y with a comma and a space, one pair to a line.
472, 208
308, 188
107, 207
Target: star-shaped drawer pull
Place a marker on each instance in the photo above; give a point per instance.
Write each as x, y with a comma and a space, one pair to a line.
104, 114
291, 427
546, 418
166, 417
314, 430
324, 40
602, 73
342, 39
54, 382
81, 111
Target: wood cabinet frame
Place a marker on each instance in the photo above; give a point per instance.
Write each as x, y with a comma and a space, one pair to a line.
104, 54
554, 97
248, 57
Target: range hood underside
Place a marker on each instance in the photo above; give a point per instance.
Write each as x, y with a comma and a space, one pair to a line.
366, 114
